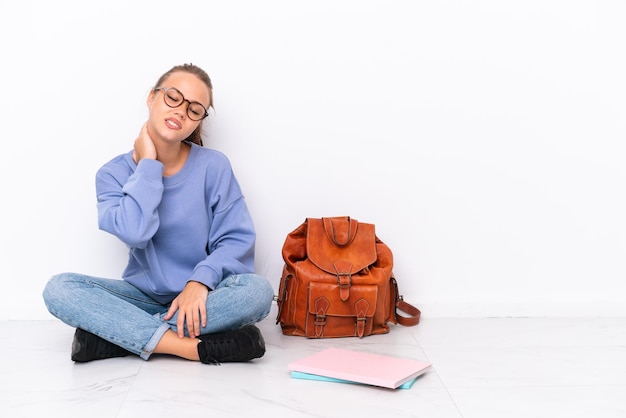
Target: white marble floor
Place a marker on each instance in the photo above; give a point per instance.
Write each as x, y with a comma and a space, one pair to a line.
496, 367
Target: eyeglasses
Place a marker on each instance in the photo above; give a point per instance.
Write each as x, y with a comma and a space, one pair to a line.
174, 98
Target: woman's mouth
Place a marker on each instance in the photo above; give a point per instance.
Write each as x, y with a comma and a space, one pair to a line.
173, 123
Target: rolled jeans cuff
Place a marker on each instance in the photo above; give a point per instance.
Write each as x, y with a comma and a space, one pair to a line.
156, 337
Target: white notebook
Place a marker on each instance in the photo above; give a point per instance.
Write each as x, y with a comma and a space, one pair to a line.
361, 367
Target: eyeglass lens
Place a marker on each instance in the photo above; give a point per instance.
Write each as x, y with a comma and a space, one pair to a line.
174, 98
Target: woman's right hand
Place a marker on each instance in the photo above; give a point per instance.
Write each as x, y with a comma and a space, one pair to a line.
144, 147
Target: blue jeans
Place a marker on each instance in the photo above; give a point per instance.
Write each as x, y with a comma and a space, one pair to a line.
122, 314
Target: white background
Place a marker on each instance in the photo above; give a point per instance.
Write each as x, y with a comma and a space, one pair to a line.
484, 139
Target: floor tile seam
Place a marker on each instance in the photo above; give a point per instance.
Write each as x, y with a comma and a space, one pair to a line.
520, 347
450, 396
527, 386
419, 345
433, 369
130, 388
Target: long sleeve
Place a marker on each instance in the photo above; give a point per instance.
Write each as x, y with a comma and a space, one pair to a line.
128, 201
231, 244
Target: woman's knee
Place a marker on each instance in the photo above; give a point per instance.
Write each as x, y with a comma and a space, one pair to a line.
58, 287
53, 285
264, 296
263, 289
258, 291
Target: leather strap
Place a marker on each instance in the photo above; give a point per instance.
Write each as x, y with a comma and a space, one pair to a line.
406, 307
401, 305
321, 307
340, 230
361, 307
281, 299
344, 278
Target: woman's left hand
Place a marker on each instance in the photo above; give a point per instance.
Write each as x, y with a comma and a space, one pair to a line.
191, 307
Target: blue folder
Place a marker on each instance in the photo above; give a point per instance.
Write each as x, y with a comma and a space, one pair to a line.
308, 376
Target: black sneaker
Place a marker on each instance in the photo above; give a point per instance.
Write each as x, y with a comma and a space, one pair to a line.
242, 344
87, 347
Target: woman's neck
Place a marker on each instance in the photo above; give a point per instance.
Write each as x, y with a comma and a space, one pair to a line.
173, 157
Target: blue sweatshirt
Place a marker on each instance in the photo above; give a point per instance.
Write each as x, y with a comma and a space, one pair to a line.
194, 225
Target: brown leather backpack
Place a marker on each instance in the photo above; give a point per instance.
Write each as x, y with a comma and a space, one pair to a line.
337, 281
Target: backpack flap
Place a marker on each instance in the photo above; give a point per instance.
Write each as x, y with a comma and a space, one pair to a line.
341, 245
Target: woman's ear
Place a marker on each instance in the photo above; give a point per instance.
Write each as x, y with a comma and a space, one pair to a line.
150, 99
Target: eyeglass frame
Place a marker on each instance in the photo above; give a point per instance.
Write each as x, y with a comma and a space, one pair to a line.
165, 89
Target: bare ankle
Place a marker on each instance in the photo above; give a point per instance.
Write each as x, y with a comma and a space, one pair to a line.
186, 347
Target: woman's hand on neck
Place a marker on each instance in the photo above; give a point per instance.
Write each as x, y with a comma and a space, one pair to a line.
144, 146
172, 155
